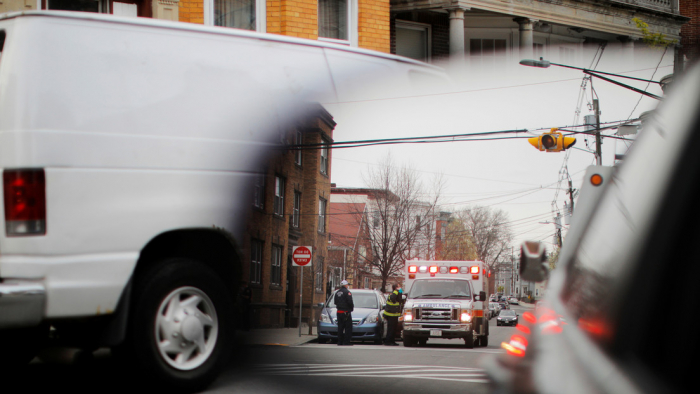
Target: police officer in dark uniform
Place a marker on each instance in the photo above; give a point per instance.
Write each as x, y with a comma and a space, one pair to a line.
344, 307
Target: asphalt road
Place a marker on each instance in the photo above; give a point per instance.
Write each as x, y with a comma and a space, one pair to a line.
441, 366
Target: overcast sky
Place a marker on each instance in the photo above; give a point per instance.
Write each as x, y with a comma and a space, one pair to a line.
505, 174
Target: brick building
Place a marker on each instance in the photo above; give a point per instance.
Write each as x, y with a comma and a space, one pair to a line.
690, 32
290, 206
357, 23
349, 248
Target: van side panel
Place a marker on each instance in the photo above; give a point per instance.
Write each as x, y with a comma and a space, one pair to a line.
140, 131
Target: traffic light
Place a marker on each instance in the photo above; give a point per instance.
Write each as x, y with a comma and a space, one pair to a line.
552, 141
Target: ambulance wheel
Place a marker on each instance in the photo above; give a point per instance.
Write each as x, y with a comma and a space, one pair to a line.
469, 341
409, 341
484, 341
422, 342
179, 331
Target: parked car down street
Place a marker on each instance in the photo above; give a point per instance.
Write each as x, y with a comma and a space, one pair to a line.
368, 323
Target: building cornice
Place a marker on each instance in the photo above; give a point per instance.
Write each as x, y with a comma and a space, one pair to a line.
609, 16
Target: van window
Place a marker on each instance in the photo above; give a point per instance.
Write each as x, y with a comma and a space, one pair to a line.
2, 40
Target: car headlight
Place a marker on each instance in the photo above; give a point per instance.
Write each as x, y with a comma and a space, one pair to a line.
325, 318
465, 317
372, 319
407, 316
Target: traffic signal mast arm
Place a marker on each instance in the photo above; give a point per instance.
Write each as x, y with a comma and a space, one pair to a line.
552, 141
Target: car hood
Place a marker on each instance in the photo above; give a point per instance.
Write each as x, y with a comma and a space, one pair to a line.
358, 313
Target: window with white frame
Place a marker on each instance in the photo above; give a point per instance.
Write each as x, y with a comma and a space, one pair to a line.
278, 208
78, 5
259, 191
296, 210
276, 262
240, 14
318, 279
337, 21
538, 50
298, 140
321, 215
413, 40
333, 19
367, 282
334, 275
256, 248
324, 158
487, 47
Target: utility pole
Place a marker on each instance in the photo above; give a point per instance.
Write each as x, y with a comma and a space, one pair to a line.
598, 142
571, 197
557, 225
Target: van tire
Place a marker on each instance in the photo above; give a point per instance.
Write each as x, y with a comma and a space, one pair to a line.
20, 345
188, 302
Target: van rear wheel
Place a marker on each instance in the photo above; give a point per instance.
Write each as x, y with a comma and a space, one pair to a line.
181, 322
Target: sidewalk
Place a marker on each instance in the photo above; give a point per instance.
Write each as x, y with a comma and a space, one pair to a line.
276, 336
526, 305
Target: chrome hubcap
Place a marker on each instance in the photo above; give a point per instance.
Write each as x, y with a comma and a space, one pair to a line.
186, 328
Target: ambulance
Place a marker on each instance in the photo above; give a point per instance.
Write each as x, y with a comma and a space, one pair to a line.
445, 299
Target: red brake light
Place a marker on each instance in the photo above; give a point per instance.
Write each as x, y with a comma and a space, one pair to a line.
475, 269
454, 270
433, 269
412, 269
25, 202
528, 316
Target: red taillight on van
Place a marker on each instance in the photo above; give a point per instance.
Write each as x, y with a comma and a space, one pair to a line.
25, 202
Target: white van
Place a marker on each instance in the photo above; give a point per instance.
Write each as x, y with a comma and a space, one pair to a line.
127, 148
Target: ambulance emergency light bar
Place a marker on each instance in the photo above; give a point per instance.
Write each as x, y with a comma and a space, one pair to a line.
433, 269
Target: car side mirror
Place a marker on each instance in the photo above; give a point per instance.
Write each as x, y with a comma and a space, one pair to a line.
533, 257
482, 296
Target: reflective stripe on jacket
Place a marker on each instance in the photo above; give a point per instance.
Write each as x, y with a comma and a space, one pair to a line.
392, 307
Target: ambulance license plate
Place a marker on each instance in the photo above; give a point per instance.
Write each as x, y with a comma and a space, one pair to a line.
435, 333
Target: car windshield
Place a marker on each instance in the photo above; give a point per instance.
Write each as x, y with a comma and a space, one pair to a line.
507, 313
440, 288
361, 300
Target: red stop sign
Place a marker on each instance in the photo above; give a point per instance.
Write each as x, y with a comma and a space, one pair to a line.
301, 255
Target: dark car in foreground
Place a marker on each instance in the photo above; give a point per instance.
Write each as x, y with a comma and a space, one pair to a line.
367, 321
607, 325
507, 318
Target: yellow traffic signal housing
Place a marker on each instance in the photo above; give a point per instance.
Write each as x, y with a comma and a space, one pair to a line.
552, 141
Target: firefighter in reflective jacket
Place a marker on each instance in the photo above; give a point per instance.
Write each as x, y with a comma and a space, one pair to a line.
344, 305
392, 310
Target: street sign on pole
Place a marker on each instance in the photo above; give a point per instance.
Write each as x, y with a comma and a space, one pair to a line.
301, 256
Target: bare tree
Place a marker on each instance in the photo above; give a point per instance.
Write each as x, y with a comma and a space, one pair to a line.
457, 244
401, 212
489, 232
